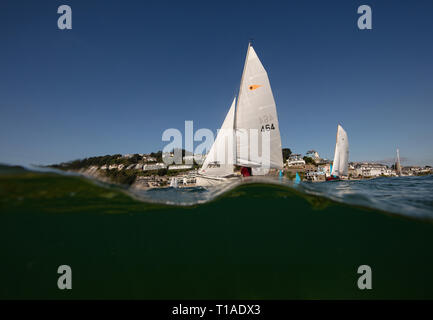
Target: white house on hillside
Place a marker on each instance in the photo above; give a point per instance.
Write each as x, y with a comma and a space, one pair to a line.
295, 160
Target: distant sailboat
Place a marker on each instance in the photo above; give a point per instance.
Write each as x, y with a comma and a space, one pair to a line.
397, 164
297, 178
174, 183
254, 109
340, 165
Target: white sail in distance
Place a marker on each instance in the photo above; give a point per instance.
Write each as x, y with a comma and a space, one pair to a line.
341, 156
221, 157
398, 165
256, 111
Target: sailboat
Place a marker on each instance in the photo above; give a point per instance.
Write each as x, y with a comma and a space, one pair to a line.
340, 165
174, 183
397, 164
252, 112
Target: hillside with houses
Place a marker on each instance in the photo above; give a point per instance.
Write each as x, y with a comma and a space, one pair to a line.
137, 170
314, 168
155, 170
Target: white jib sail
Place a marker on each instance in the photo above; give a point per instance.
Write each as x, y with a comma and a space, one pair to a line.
256, 118
220, 160
341, 156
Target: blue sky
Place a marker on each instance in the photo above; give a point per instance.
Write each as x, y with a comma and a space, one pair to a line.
128, 70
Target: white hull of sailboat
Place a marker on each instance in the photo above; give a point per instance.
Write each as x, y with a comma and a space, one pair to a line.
209, 181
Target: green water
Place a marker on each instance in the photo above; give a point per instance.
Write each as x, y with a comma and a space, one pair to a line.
256, 241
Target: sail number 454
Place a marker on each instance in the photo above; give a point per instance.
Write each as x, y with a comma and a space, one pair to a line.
267, 127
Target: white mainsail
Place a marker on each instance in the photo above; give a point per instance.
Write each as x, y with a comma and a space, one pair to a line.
256, 111
221, 157
341, 156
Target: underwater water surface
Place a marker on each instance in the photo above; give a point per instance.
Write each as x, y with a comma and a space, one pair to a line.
254, 241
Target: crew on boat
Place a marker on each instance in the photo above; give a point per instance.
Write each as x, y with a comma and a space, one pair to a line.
246, 172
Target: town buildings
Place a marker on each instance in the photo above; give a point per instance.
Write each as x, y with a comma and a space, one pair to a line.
295, 160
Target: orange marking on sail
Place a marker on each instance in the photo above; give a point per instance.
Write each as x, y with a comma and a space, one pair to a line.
254, 86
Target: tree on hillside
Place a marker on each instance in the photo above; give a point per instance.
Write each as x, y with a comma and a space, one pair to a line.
162, 172
286, 154
157, 155
309, 160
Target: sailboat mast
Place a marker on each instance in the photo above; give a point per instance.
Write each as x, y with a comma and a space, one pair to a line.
240, 86
237, 104
334, 165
